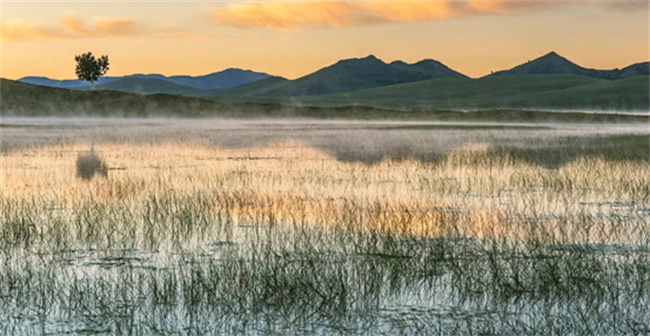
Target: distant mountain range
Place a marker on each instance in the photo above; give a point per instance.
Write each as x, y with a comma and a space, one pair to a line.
222, 79
359, 74
550, 81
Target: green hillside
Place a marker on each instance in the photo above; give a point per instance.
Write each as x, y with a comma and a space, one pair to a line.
565, 92
255, 88
148, 86
19, 99
536, 92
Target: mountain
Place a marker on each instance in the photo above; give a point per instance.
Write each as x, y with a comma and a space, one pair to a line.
358, 74
428, 69
146, 86
222, 79
550, 81
554, 64
635, 70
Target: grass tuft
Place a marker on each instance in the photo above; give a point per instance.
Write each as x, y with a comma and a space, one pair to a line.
90, 164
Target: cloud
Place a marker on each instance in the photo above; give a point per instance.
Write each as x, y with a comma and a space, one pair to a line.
184, 36
303, 14
296, 15
21, 30
628, 5
101, 27
122, 27
71, 26
283, 15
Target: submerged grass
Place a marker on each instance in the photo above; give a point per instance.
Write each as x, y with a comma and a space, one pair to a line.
189, 238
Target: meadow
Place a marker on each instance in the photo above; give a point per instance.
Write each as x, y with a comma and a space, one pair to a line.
304, 227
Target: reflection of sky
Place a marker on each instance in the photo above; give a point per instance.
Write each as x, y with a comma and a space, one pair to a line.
181, 37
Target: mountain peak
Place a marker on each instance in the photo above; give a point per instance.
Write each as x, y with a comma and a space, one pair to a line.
368, 60
233, 70
427, 61
552, 57
549, 64
554, 64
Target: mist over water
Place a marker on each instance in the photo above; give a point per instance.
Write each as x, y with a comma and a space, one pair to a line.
350, 136
322, 227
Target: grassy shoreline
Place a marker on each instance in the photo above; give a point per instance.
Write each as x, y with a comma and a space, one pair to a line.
24, 100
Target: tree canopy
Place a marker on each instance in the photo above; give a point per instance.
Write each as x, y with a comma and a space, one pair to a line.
90, 68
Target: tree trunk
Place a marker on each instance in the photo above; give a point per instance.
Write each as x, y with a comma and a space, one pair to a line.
92, 86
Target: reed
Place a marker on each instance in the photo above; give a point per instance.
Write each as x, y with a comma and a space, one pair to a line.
185, 237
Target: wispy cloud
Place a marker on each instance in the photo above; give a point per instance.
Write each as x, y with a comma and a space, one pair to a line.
305, 14
185, 36
22, 30
628, 5
74, 25
123, 27
71, 26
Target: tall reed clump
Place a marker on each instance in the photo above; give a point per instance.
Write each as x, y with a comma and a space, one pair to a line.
89, 164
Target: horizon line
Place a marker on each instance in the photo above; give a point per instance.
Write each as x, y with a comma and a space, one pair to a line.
342, 59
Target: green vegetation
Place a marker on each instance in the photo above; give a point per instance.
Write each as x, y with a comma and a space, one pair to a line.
90, 68
247, 90
19, 99
542, 92
148, 86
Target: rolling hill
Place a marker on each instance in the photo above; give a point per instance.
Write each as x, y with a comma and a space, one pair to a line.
20, 99
247, 90
146, 86
531, 92
554, 64
27, 100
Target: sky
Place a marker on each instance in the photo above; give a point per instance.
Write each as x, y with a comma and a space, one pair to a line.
295, 38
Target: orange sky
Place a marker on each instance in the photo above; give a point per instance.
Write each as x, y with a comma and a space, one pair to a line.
291, 39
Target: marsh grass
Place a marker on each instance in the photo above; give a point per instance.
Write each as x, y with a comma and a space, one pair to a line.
189, 238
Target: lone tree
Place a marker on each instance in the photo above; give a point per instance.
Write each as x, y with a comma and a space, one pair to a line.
90, 68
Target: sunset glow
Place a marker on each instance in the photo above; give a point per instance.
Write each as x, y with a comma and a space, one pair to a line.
292, 39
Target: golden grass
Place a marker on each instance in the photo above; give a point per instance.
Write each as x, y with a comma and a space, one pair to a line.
472, 192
